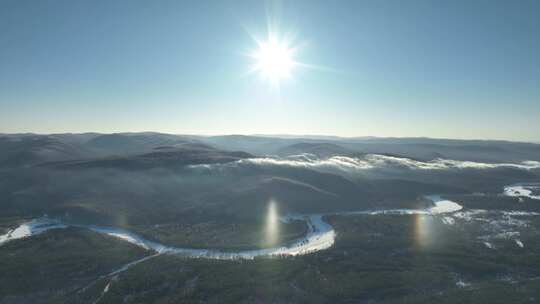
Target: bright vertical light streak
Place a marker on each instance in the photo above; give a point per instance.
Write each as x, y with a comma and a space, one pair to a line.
423, 225
272, 224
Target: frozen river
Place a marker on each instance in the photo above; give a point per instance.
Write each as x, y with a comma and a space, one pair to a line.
320, 235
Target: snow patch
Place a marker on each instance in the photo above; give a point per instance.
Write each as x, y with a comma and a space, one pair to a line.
442, 205
448, 220
522, 190
462, 284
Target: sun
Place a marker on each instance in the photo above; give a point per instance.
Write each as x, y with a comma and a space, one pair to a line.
274, 59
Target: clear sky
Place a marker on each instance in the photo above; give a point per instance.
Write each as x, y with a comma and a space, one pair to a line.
458, 69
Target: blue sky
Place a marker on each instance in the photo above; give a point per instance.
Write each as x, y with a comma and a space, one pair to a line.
457, 69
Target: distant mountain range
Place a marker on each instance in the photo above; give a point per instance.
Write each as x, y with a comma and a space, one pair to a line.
31, 149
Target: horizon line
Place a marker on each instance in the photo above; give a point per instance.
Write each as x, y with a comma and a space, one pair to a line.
280, 135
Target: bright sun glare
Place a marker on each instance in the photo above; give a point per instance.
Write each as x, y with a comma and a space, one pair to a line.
274, 59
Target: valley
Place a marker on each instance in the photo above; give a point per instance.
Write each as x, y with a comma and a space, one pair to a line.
171, 218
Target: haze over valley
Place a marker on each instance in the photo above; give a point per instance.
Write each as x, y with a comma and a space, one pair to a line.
162, 199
